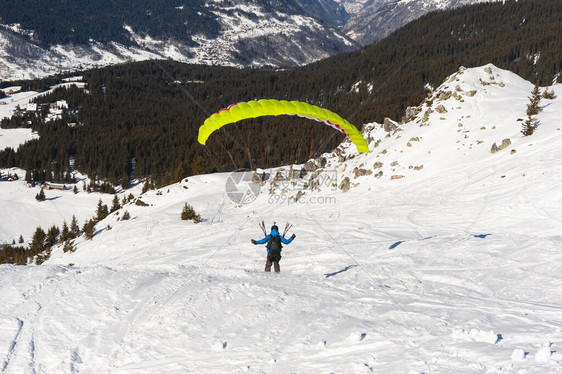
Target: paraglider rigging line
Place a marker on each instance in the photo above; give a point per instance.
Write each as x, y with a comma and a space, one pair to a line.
370, 98
190, 96
382, 287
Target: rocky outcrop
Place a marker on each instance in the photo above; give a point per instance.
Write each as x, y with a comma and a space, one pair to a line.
295, 174
362, 172
318, 163
389, 125
259, 177
496, 148
411, 113
445, 95
345, 185
279, 177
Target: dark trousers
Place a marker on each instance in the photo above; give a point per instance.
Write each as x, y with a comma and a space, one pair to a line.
274, 262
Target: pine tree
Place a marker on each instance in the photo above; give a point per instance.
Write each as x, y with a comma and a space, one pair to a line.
68, 246
75, 190
188, 213
52, 236
535, 98
74, 228
528, 126
89, 229
145, 186
182, 171
126, 216
198, 166
167, 179
21, 239
102, 211
532, 109
125, 182
549, 95
115, 206
65, 233
38, 241
41, 195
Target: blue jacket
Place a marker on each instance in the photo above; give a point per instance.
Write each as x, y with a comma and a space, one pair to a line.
274, 233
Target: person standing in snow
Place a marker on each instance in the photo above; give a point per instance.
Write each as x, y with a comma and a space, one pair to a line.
274, 240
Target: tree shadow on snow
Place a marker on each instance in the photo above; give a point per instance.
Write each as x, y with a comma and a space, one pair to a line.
340, 271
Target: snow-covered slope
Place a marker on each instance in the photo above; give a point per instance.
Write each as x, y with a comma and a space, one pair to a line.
14, 137
455, 267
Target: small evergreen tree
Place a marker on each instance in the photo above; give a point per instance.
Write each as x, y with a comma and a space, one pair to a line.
68, 246
167, 179
182, 171
65, 233
188, 213
75, 190
145, 186
125, 181
21, 239
38, 241
102, 211
532, 109
89, 229
126, 216
528, 126
52, 236
115, 206
549, 95
41, 195
198, 166
74, 228
534, 100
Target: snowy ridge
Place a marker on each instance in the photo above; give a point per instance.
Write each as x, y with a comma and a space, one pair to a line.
454, 267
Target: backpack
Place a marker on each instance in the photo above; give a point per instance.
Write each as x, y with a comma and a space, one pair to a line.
274, 245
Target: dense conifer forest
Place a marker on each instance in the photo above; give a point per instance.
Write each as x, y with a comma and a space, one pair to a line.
80, 21
150, 111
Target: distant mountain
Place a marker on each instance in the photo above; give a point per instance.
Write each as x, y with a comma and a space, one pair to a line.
329, 11
374, 19
55, 36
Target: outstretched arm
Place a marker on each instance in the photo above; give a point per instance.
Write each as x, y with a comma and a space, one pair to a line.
262, 241
287, 241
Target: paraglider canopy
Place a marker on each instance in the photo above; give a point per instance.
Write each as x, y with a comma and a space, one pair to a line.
270, 107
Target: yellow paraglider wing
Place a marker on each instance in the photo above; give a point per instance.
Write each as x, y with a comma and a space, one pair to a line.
265, 107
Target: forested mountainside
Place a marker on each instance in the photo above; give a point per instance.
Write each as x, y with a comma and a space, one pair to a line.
49, 36
151, 110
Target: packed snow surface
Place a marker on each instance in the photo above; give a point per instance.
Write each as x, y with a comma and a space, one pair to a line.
454, 267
